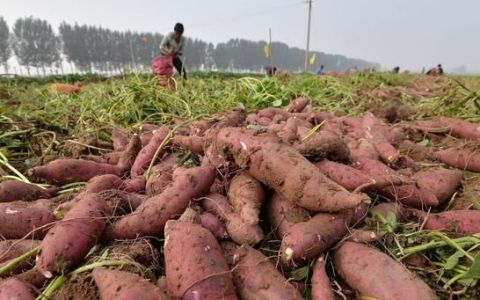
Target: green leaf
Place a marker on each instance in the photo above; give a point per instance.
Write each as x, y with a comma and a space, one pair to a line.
424, 143
392, 220
300, 274
277, 103
452, 261
474, 271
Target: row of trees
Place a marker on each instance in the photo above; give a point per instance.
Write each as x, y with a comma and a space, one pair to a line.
90, 48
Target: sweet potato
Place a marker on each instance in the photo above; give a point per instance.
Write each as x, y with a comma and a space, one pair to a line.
282, 168
15, 289
362, 148
297, 105
12, 190
128, 156
306, 240
33, 277
111, 158
375, 275
397, 209
441, 182
193, 143
461, 128
194, 263
119, 139
257, 278
150, 217
199, 127
69, 240
237, 229
460, 158
114, 284
63, 171
282, 214
20, 219
246, 196
134, 185
212, 223
145, 155
321, 289
160, 176
10, 249
324, 144
103, 182
455, 221
362, 236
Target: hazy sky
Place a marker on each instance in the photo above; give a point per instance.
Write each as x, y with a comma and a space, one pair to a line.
409, 33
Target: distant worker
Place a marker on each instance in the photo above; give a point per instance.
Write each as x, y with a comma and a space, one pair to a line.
396, 70
320, 70
173, 45
440, 69
270, 70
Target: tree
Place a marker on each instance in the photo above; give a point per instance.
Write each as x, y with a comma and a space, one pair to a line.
5, 50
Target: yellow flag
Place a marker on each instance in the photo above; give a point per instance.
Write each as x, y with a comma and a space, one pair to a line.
266, 50
312, 58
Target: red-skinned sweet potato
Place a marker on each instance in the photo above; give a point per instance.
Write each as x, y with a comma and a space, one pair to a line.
282, 214
13, 190
212, 223
66, 244
194, 263
193, 143
324, 144
257, 278
160, 176
15, 289
321, 289
110, 181
10, 249
461, 128
20, 219
246, 195
455, 221
63, 171
362, 148
150, 217
282, 168
297, 105
145, 155
441, 182
128, 156
237, 229
374, 274
119, 139
121, 285
460, 158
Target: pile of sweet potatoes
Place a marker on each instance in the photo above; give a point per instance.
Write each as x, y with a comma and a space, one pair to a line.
238, 202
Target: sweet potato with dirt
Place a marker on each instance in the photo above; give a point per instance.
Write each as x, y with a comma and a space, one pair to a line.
455, 221
297, 105
306, 240
459, 157
119, 139
195, 266
10, 249
321, 289
121, 285
246, 195
376, 275
110, 181
160, 176
256, 277
362, 148
15, 289
461, 128
441, 182
237, 229
324, 144
21, 219
145, 155
64, 171
283, 214
282, 168
212, 223
128, 156
13, 190
192, 143
150, 217
67, 243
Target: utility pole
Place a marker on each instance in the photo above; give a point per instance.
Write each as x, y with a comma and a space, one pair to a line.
270, 48
307, 52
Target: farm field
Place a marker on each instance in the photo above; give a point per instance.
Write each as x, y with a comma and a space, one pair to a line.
348, 180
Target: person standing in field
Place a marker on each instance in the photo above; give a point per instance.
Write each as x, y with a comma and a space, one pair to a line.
173, 45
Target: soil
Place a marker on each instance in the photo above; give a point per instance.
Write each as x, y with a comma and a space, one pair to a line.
79, 287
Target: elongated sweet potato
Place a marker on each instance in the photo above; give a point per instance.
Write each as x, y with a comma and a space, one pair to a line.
128, 156
145, 155
114, 284
362, 148
193, 143
237, 229
297, 105
461, 128
282, 214
150, 217
321, 289
212, 223
103, 182
111, 158
12, 190
10, 249
374, 274
374, 132
20, 219
306, 240
194, 263
285, 170
119, 139
160, 176
134, 185
246, 196
257, 278
324, 144
460, 158
15, 289
441, 182
63, 171
455, 221
69, 240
